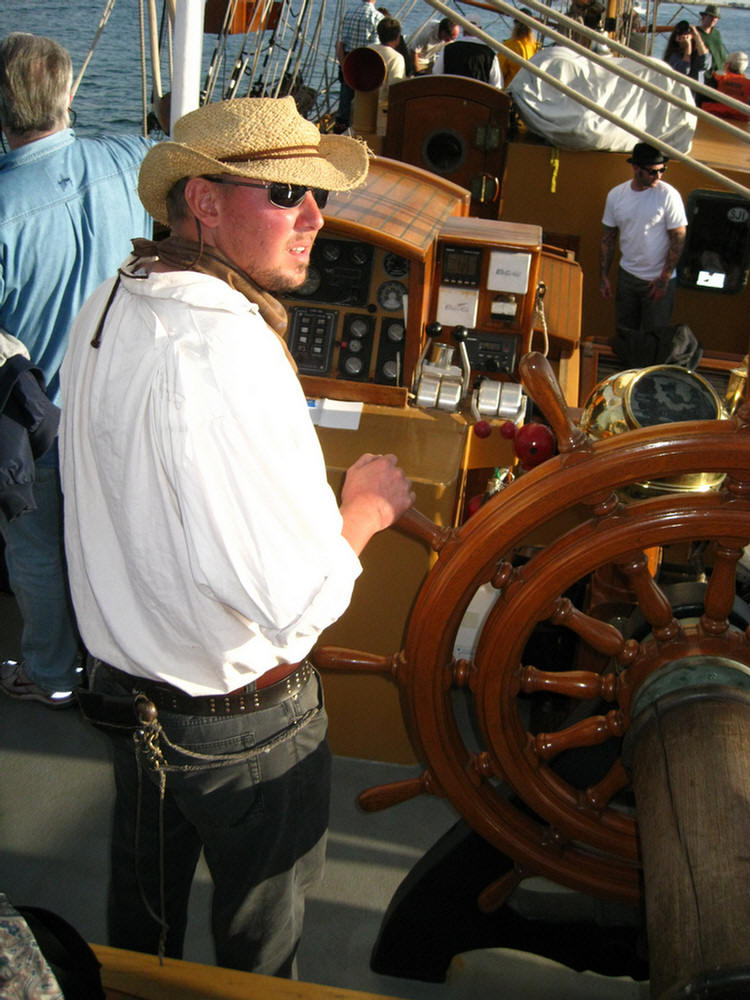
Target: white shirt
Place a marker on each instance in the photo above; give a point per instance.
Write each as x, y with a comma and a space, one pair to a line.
425, 44
395, 70
203, 541
644, 219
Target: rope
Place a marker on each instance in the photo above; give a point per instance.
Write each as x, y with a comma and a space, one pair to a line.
108, 8
144, 74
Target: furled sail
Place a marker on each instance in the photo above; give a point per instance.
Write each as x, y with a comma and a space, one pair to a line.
560, 119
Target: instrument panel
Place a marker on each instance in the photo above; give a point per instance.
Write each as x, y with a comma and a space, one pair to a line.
349, 317
370, 317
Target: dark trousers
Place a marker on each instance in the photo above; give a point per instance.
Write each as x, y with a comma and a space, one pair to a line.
634, 310
253, 792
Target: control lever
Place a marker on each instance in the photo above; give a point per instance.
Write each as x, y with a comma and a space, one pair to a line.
460, 333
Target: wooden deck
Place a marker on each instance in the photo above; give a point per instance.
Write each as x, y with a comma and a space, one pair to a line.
720, 150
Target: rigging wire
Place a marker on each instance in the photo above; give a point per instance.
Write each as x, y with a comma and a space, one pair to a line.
219, 52
108, 8
144, 72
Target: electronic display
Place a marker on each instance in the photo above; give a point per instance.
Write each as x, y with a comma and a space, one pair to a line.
461, 266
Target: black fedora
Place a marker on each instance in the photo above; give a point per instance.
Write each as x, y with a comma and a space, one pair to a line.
644, 155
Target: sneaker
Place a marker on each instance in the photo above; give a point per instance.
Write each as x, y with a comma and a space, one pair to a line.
15, 682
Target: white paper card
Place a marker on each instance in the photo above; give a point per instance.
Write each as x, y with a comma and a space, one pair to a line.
457, 306
508, 272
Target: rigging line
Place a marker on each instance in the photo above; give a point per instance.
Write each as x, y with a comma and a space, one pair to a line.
156, 91
217, 58
144, 72
275, 43
165, 30
108, 8
238, 68
305, 11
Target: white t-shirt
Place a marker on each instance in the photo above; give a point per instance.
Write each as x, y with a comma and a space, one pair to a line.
644, 219
425, 44
204, 544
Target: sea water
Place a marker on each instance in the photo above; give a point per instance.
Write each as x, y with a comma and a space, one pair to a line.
110, 97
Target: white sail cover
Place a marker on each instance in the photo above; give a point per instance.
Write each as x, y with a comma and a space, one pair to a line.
569, 125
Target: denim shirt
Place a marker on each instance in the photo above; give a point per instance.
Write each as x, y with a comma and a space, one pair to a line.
68, 210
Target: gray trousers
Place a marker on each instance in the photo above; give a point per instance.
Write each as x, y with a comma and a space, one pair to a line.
252, 791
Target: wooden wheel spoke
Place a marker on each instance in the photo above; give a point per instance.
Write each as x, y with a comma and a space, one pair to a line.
590, 732
652, 600
601, 636
384, 796
335, 658
600, 795
581, 684
414, 523
721, 588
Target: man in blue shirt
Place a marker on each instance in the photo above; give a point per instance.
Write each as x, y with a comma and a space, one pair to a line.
68, 208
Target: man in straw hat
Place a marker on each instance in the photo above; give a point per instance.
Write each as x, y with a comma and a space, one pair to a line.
207, 552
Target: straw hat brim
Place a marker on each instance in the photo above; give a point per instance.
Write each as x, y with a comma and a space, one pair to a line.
340, 165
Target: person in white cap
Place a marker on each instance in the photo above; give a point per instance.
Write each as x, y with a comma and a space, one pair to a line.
206, 550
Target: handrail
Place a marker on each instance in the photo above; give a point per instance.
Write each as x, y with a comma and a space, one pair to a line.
611, 65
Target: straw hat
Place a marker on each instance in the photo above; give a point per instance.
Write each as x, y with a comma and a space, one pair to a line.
260, 137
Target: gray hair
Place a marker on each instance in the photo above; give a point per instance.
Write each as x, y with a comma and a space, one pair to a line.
737, 62
36, 77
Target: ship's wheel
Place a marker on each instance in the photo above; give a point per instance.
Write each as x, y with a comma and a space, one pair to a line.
475, 722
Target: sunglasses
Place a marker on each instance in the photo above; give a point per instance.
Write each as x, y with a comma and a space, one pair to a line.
280, 195
653, 171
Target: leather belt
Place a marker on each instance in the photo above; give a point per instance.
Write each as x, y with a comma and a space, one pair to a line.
281, 682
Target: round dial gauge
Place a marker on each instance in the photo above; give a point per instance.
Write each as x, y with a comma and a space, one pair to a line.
395, 266
331, 252
391, 295
311, 283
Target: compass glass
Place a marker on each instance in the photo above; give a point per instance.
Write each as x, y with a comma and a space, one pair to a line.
667, 394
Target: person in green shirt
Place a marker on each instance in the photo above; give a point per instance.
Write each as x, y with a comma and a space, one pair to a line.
713, 41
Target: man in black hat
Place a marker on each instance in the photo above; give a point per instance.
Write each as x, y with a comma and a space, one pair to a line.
713, 41
649, 217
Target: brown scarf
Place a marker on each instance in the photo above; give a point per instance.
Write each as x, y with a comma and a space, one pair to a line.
187, 255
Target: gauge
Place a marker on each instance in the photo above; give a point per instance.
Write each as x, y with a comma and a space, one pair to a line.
360, 255
391, 295
311, 283
395, 266
396, 332
358, 329
331, 252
